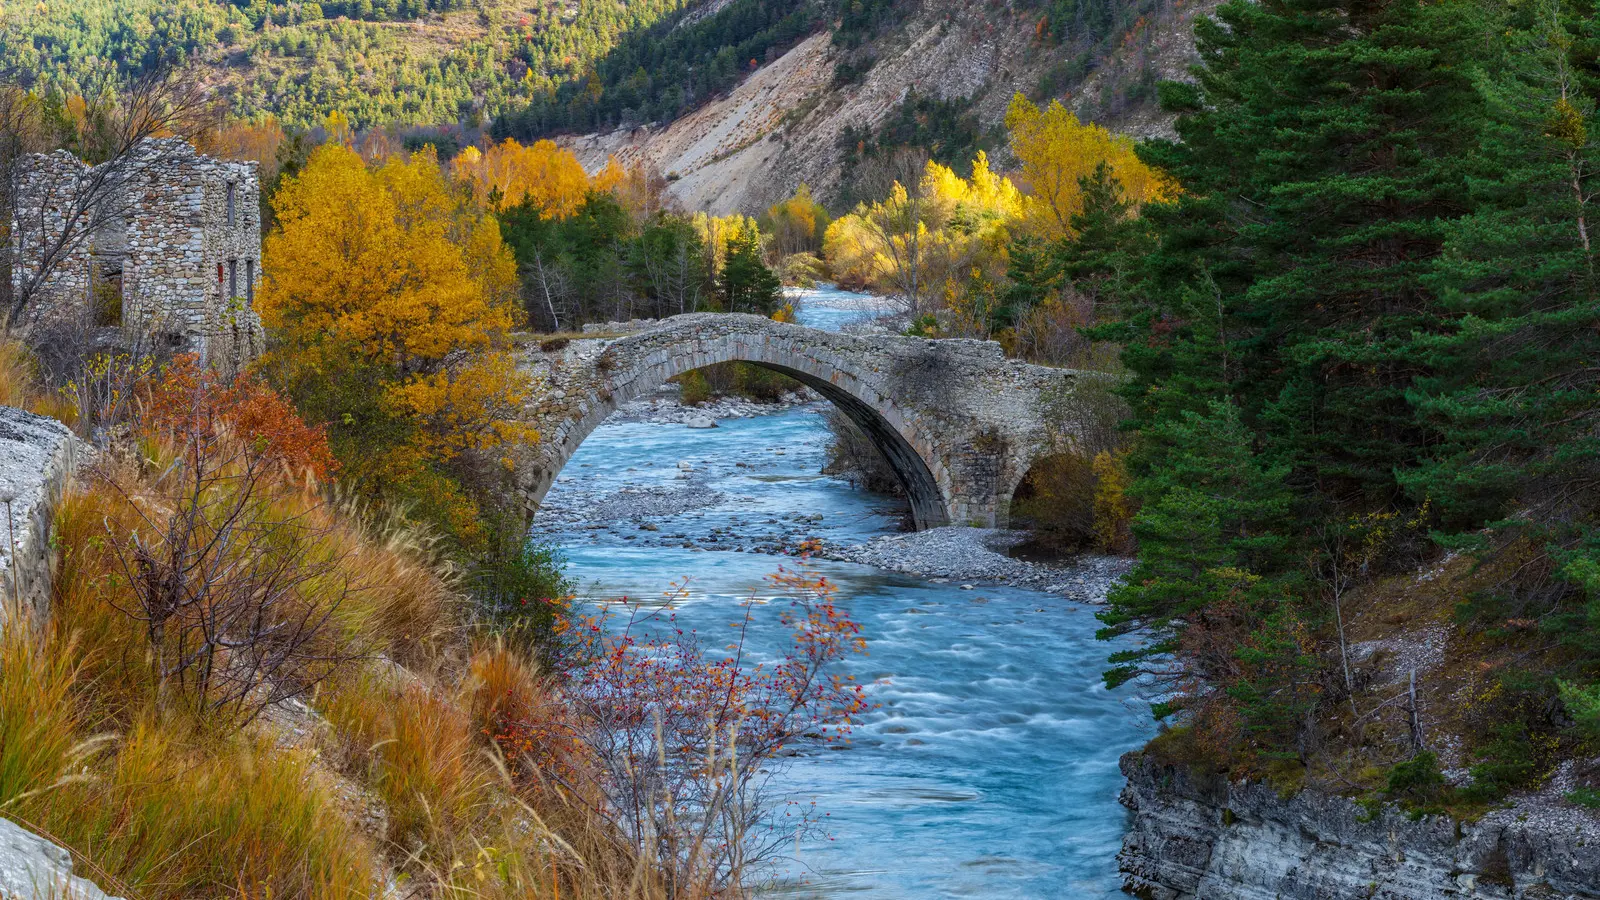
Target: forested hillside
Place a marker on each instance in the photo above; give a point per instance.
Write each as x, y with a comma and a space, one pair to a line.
535, 68
400, 61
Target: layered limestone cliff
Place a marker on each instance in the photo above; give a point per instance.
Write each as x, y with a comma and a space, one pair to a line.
1193, 840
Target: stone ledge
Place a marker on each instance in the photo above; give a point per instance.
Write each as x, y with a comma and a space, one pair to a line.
1194, 840
37, 456
32, 868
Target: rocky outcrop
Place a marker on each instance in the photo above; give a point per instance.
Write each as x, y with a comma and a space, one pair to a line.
37, 454
1242, 841
32, 868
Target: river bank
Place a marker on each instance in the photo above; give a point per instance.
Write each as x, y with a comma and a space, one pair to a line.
668, 515
666, 407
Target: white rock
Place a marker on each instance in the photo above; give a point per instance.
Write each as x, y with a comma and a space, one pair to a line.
700, 422
32, 868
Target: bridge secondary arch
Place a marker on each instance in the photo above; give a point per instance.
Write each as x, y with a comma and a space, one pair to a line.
957, 421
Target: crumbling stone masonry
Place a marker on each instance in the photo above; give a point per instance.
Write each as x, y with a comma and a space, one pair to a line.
173, 247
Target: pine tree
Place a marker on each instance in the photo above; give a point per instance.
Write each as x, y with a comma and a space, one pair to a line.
1110, 237
1211, 549
1512, 394
1321, 147
746, 284
1514, 385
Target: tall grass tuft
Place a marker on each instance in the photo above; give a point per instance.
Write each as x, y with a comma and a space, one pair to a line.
39, 740
419, 754
170, 816
162, 812
20, 385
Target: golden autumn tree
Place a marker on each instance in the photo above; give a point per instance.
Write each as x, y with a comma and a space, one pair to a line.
1056, 151
508, 174
611, 175
391, 300
798, 223
253, 139
927, 245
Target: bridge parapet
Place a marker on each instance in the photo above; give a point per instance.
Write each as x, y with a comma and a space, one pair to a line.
958, 421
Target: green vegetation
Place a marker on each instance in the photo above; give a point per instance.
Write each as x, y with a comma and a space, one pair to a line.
1363, 320
417, 62
607, 262
657, 72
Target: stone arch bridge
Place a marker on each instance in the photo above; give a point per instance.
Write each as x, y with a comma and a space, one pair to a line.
959, 423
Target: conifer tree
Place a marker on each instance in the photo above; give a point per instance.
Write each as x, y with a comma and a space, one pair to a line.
1211, 549
1513, 384
746, 284
1321, 149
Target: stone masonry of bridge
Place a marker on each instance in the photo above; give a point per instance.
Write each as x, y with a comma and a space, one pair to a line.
959, 422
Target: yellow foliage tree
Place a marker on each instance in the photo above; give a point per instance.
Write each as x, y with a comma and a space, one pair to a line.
639, 187
389, 267
610, 176
543, 174
798, 223
468, 406
717, 232
1113, 510
256, 139
848, 249
1056, 150
919, 245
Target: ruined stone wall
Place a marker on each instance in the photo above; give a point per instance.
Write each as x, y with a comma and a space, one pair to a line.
48, 187
37, 456
188, 267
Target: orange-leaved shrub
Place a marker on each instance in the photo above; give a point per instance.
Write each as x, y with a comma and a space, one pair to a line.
190, 401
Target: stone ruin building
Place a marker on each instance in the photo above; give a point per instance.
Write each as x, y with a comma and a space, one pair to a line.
171, 250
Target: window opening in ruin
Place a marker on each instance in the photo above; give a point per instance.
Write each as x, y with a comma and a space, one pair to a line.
233, 194
250, 281
233, 278
219, 278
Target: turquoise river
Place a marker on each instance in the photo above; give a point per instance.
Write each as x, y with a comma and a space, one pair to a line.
988, 765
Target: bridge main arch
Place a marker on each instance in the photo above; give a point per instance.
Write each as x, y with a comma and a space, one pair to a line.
956, 421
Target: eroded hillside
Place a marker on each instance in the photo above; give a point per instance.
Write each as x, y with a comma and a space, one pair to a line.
783, 124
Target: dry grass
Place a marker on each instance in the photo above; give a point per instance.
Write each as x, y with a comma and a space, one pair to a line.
159, 802
161, 811
39, 726
20, 385
419, 754
408, 604
458, 817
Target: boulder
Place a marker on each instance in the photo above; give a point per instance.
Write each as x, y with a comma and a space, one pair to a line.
32, 868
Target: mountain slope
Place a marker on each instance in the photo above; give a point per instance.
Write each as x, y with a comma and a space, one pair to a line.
744, 99
791, 121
